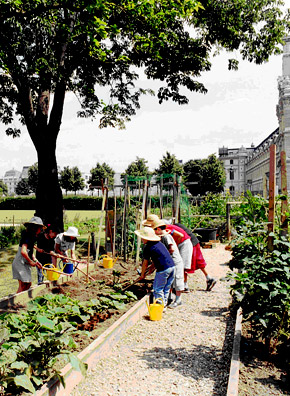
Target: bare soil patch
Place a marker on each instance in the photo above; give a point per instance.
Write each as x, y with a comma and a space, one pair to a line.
261, 373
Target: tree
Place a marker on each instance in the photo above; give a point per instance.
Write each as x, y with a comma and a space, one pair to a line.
99, 174
48, 48
71, 179
3, 188
138, 169
206, 175
66, 179
22, 187
33, 177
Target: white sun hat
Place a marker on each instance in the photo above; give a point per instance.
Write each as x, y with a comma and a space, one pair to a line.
148, 234
72, 232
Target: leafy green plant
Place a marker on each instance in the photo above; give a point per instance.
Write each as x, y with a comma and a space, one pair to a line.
33, 341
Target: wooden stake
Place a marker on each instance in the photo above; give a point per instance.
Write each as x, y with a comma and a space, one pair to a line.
142, 218
272, 190
100, 226
88, 261
284, 203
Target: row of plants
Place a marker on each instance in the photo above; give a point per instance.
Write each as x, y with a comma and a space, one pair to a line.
261, 275
9, 236
34, 341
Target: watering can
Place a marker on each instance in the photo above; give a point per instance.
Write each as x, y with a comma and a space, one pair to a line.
108, 262
155, 310
67, 267
52, 274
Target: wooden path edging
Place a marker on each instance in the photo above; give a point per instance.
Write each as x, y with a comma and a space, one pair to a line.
233, 383
95, 351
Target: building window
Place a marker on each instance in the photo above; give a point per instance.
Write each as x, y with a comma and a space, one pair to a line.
232, 175
231, 162
232, 190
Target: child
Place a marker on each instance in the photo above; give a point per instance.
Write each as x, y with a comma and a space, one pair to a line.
66, 241
197, 261
45, 244
25, 259
159, 227
162, 261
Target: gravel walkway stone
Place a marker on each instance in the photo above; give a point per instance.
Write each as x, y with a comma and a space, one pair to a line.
187, 353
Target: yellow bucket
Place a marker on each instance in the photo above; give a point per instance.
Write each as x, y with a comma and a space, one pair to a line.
155, 310
51, 275
108, 262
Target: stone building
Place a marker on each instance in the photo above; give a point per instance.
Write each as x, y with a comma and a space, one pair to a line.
11, 178
248, 168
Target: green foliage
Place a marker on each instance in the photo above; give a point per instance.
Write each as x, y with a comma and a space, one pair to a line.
209, 174
22, 187
137, 171
262, 285
48, 49
71, 179
9, 236
32, 342
3, 188
33, 177
98, 175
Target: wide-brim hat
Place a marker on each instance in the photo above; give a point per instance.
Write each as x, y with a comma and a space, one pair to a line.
158, 223
72, 232
35, 220
147, 233
150, 219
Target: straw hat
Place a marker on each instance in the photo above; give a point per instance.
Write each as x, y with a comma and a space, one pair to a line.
72, 232
35, 220
158, 223
148, 234
150, 219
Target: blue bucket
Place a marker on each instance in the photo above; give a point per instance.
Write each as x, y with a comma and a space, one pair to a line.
68, 268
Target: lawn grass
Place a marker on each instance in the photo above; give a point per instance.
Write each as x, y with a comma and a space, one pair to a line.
8, 285
20, 216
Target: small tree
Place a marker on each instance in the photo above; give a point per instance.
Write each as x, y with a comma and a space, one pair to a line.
22, 187
98, 175
78, 180
137, 169
66, 179
203, 176
3, 188
168, 166
33, 177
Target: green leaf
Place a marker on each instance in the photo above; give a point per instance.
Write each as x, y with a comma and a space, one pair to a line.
24, 381
45, 322
77, 364
19, 365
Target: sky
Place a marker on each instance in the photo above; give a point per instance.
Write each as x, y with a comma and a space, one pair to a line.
238, 110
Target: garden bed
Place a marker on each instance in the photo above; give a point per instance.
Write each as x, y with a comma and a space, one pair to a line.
106, 288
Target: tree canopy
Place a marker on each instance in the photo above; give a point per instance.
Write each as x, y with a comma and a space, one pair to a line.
98, 175
71, 179
204, 176
48, 48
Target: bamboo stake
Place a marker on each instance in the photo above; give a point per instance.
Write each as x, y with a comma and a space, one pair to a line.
88, 260
142, 218
100, 226
115, 225
272, 188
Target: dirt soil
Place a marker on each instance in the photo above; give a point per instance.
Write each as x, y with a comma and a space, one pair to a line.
260, 373
80, 289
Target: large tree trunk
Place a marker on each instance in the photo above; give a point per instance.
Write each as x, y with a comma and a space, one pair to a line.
49, 204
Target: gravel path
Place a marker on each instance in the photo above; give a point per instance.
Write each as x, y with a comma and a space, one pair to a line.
187, 353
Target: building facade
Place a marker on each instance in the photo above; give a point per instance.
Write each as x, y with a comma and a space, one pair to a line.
248, 168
